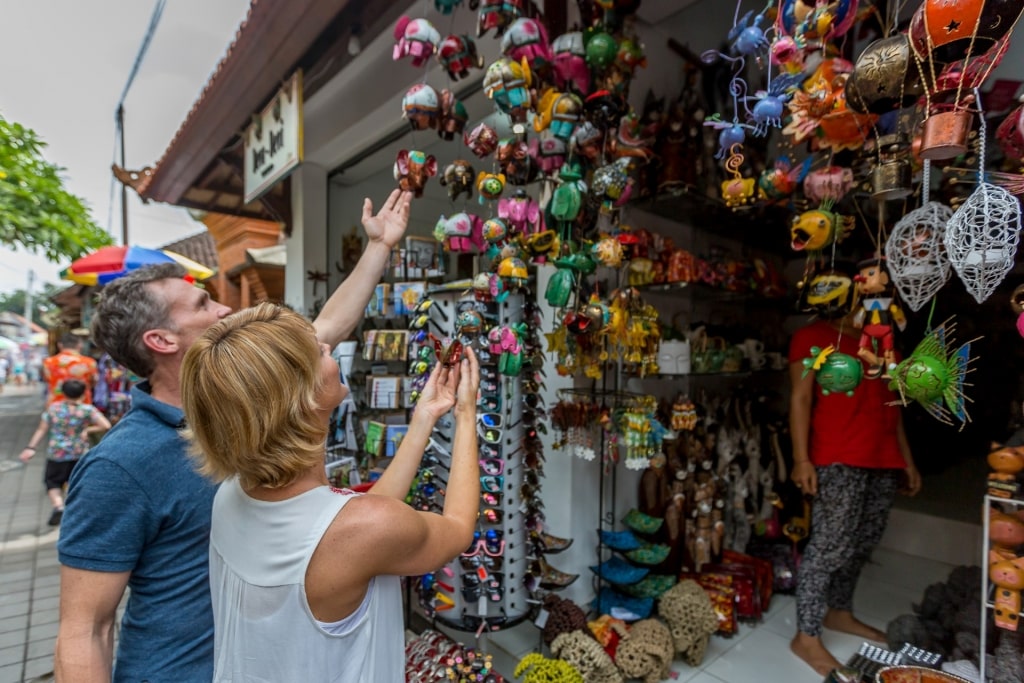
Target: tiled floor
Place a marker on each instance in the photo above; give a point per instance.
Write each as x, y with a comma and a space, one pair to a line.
760, 653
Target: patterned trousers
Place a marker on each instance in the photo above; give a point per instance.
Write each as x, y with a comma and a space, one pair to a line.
848, 518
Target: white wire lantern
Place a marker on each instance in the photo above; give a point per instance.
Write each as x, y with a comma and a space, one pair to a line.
982, 237
915, 255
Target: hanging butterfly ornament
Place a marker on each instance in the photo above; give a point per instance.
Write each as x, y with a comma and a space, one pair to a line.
933, 375
447, 352
835, 371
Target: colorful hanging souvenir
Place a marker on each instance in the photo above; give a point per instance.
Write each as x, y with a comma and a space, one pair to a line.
521, 212
413, 169
1010, 135
482, 140
458, 177
879, 311
561, 112
917, 258
507, 82
458, 54
421, 105
461, 233
527, 39
828, 184
812, 23
885, 77
612, 185
453, 118
490, 185
497, 15
417, 38
570, 65
933, 375
835, 371
981, 239
738, 190
818, 228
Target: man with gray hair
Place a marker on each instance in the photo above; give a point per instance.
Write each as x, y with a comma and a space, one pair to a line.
137, 514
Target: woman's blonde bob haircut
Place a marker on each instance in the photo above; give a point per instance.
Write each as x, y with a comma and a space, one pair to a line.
249, 389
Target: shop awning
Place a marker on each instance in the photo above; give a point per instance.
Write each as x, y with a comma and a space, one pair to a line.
202, 166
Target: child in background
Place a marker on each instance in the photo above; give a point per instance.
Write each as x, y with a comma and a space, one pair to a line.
70, 422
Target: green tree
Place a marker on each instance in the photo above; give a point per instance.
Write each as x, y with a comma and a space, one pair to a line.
43, 307
36, 212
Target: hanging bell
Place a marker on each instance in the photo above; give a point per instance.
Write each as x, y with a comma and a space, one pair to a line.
945, 135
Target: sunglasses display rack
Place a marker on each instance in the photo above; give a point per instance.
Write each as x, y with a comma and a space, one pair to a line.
483, 589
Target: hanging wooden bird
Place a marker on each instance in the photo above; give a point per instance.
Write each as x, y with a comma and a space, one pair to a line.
933, 375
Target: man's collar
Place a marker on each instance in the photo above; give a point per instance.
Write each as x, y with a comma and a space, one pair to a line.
142, 400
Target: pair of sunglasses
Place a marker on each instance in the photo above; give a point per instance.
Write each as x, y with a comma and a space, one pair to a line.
492, 466
491, 543
473, 622
473, 587
491, 435
481, 561
492, 515
489, 498
490, 403
491, 483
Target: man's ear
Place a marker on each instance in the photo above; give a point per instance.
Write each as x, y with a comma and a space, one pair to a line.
161, 341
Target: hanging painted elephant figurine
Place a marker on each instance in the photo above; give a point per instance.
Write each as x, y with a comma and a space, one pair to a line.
482, 140
507, 82
460, 233
453, 116
521, 212
421, 106
570, 62
561, 112
514, 159
458, 178
527, 39
549, 152
458, 54
417, 38
413, 169
567, 199
498, 14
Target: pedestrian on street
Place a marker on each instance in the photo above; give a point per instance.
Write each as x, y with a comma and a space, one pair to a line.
137, 513
70, 422
305, 577
69, 363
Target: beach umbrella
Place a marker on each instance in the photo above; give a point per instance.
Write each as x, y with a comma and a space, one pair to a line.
109, 263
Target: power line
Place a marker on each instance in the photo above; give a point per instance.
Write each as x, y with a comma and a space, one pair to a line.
154, 21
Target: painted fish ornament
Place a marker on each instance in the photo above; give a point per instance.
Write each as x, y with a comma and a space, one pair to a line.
933, 375
818, 228
835, 371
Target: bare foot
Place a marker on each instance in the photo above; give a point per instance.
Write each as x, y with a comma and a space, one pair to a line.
810, 649
844, 621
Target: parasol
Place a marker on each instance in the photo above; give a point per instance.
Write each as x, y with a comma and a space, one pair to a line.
109, 263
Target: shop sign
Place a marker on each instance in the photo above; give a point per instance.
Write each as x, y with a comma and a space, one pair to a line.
273, 141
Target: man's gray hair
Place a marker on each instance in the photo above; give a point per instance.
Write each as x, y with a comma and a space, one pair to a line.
126, 310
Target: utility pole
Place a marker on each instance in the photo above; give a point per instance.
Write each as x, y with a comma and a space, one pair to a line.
26, 331
124, 187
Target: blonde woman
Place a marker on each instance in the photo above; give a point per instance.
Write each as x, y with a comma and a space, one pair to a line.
304, 577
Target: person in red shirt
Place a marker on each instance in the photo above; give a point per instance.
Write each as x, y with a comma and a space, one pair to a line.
69, 363
850, 455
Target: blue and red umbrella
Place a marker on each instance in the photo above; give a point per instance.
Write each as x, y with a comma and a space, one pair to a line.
109, 263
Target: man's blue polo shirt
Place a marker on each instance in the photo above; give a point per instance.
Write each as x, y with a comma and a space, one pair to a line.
136, 504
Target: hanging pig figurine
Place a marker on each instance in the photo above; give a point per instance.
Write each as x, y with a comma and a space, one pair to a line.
413, 169
831, 183
458, 178
549, 152
528, 39
507, 82
453, 116
417, 38
498, 14
570, 63
521, 212
421, 106
461, 233
482, 140
458, 54
561, 112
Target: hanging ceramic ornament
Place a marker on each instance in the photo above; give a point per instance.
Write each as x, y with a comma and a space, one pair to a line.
916, 256
933, 375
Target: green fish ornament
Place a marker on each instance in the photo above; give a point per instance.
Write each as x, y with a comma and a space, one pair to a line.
933, 375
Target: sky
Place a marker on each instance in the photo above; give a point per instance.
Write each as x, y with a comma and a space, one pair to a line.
72, 62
